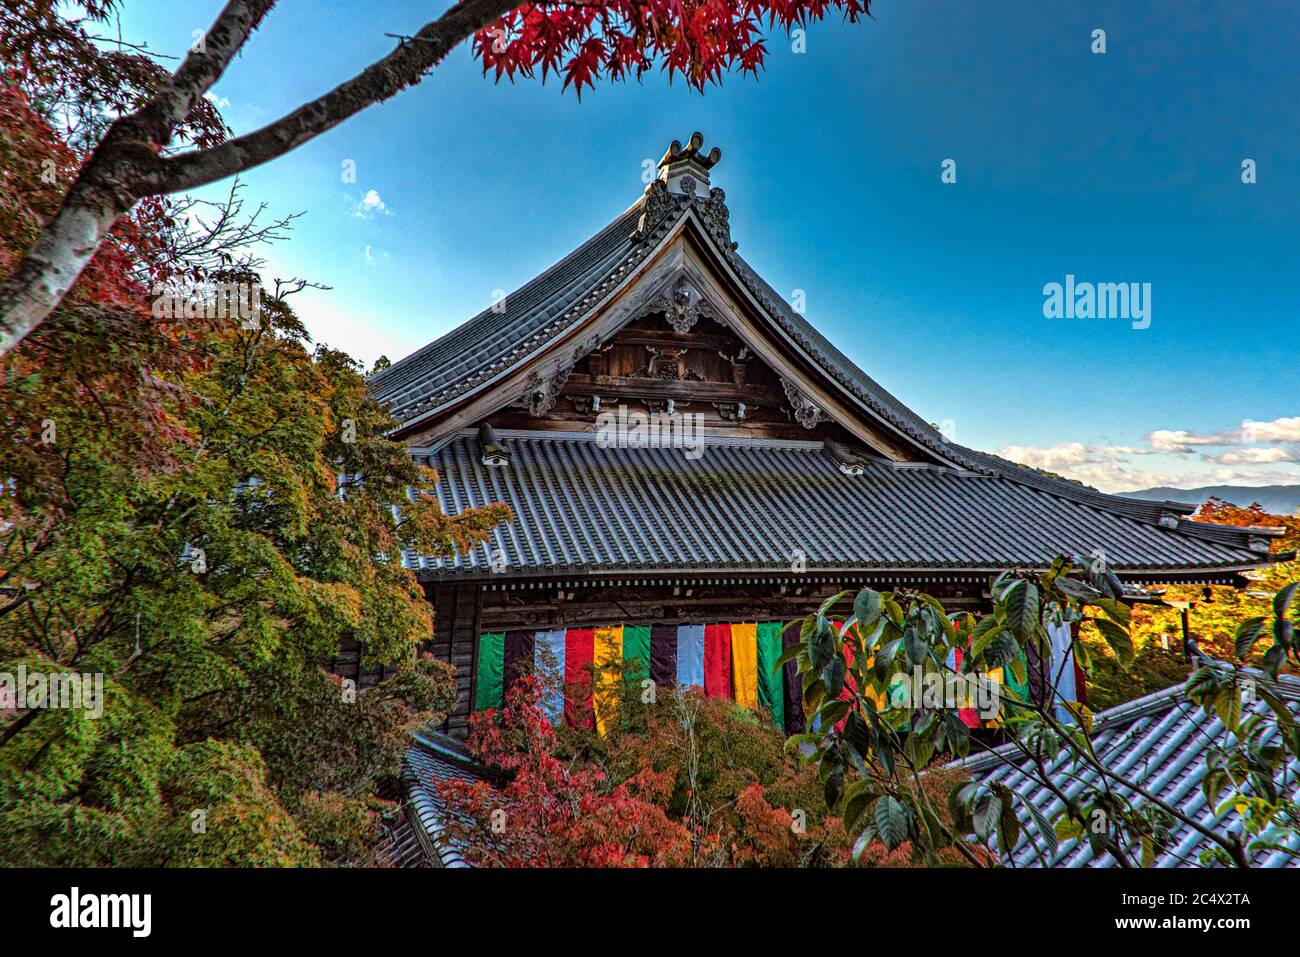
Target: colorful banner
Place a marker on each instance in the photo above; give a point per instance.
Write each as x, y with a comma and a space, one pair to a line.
731, 661
636, 651
548, 663
517, 657
608, 676
579, 655
735, 661
663, 655
794, 717
690, 655
717, 661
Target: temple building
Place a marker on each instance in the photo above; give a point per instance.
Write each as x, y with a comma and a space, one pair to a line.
690, 463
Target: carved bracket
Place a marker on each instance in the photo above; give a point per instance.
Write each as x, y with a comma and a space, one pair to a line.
805, 412
542, 393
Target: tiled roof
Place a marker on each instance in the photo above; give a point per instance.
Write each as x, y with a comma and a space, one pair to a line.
748, 504
404, 845
494, 342
1159, 741
432, 759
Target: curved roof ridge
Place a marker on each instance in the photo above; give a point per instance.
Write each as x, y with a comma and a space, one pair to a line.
481, 341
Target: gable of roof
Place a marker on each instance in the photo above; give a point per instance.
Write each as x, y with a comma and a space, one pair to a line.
522, 323
1161, 740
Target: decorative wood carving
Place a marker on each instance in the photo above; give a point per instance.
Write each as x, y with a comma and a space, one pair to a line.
543, 392
717, 218
805, 411
683, 306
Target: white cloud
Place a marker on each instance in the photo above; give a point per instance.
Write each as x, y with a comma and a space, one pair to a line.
1187, 458
1279, 430
1185, 441
220, 102
1256, 455
1181, 441
1102, 466
370, 206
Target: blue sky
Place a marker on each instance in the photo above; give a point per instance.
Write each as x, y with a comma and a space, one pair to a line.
1121, 167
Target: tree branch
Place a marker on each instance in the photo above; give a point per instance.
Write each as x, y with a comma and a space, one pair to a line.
126, 164
108, 185
402, 68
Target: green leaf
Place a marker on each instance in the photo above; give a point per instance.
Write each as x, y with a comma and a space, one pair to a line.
863, 841
1118, 638
831, 713
999, 649
893, 821
790, 654
1247, 633
885, 658
856, 734
1067, 828
982, 633
985, 815
833, 676
1284, 632
821, 647
1282, 600
1043, 827
893, 610
1274, 658
1008, 827
1022, 608
919, 750
1279, 709
918, 649
832, 775
1116, 611
867, 607
1227, 705
829, 603
814, 693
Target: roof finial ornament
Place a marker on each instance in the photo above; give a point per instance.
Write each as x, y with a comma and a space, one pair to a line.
685, 169
684, 180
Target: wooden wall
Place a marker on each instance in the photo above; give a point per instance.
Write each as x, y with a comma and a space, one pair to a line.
463, 611
456, 626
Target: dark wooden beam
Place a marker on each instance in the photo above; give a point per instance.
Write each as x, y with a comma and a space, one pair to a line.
684, 390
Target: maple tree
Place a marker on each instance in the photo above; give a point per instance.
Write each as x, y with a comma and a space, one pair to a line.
550, 813
142, 152
196, 509
678, 780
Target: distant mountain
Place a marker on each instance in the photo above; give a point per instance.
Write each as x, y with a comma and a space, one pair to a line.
1278, 499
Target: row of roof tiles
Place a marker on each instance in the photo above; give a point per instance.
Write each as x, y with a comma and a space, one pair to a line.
765, 505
